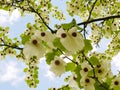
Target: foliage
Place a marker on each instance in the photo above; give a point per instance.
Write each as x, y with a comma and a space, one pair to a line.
90, 70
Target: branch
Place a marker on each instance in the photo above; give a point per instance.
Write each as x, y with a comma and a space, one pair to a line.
67, 57
99, 19
30, 10
94, 77
33, 10
71, 60
14, 47
90, 12
85, 25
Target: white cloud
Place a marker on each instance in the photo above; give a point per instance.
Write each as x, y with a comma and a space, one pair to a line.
6, 18
50, 75
9, 72
43, 66
116, 63
14, 16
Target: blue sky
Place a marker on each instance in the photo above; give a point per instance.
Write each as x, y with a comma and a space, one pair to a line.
11, 69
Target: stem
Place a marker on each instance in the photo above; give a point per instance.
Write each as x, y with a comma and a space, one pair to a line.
99, 19
33, 10
14, 47
70, 60
94, 77
90, 12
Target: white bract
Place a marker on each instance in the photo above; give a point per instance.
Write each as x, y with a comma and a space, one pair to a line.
34, 47
102, 69
57, 66
87, 83
47, 37
116, 82
70, 38
85, 69
73, 83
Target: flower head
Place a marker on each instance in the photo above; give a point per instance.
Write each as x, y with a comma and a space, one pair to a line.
57, 66
34, 47
87, 83
116, 82
47, 37
102, 69
73, 83
71, 40
85, 69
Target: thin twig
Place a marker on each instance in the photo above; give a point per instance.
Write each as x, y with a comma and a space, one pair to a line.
85, 25
99, 19
67, 57
71, 60
90, 12
30, 9
14, 47
33, 10
94, 76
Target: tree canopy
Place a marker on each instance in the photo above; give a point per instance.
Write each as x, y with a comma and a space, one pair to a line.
91, 70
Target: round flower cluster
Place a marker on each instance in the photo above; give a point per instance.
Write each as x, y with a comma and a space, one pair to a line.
95, 33
75, 7
113, 47
32, 72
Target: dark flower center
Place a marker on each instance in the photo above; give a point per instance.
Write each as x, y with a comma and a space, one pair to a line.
42, 34
74, 78
85, 69
74, 34
54, 89
116, 83
99, 71
57, 62
87, 80
98, 66
63, 35
32, 84
34, 42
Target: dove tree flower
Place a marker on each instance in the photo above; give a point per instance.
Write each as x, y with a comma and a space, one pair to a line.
87, 83
115, 82
34, 47
47, 37
57, 66
70, 38
102, 69
85, 69
99, 20
72, 82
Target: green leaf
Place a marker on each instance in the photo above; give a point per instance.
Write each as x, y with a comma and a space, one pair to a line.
28, 25
104, 86
116, 88
77, 71
50, 56
58, 44
109, 80
37, 81
25, 69
25, 38
88, 45
67, 26
1, 28
70, 66
94, 61
90, 73
35, 75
